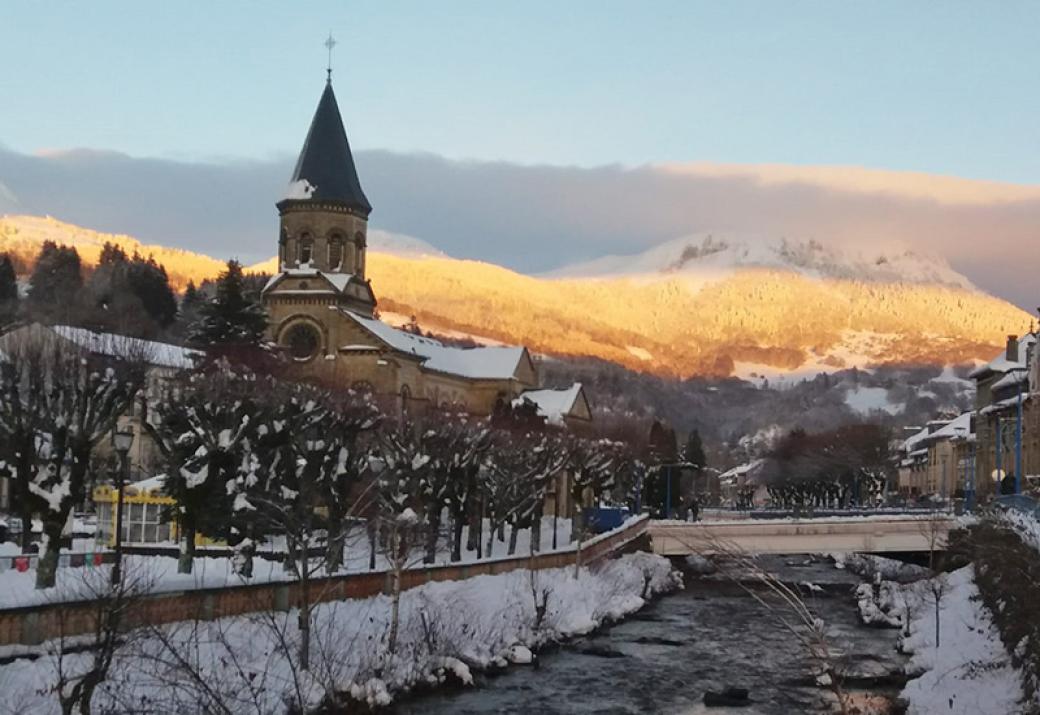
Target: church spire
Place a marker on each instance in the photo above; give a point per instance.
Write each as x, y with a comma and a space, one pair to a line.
325, 171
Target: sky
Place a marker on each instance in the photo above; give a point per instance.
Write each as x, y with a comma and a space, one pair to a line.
941, 87
536, 134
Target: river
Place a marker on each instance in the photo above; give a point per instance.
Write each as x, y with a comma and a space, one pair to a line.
664, 658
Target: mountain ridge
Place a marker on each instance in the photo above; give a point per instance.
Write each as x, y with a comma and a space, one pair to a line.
708, 255
749, 320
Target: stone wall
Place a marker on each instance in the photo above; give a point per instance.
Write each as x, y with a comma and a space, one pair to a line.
31, 625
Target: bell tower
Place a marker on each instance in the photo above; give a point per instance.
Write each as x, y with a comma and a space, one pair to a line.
322, 242
323, 218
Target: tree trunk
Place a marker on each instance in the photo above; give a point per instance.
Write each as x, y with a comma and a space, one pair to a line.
373, 538
335, 547
47, 569
187, 556
25, 538
433, 521
514, 529
536, 529
395, 603
305, 613
937, 601
473, 538
490, 540
577, 523
456, 538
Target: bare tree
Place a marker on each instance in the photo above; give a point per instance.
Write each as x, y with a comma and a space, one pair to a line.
201, 426
934, 528
403, 465
56, 404
82, 663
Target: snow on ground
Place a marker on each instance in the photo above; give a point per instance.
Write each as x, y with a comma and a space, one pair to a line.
866, 400
970, 673
1027, 527
19, 589
446, 628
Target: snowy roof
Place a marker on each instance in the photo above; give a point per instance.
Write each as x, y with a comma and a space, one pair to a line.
1004, 404
145, 486
1001, 362
489, 363
339, 281
121, 346
554, 405
956, 429
740, 470
912, 442
1014, 376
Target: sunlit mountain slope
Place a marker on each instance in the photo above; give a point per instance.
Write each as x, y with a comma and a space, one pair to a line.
800, 314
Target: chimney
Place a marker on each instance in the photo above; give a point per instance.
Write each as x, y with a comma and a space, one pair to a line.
1012, 348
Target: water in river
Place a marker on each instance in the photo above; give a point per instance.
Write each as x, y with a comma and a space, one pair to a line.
663, 659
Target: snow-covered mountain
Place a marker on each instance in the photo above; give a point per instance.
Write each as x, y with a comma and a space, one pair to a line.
762, 310
715, 255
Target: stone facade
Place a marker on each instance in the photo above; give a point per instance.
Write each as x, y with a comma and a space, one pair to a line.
321, 306
1007, 393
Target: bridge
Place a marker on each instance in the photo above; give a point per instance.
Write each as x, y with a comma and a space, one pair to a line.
875, 534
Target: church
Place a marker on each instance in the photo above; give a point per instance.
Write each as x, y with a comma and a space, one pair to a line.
322, 308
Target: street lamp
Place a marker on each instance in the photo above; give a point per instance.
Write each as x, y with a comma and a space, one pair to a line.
122, 441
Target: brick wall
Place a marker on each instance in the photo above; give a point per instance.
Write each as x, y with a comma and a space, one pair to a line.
31, 625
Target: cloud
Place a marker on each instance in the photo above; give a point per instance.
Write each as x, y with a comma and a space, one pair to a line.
535, 218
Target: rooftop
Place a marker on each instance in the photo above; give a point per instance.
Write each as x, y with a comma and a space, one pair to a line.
491, 363
325, 171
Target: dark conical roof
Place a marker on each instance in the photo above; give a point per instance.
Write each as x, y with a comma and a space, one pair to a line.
326, 162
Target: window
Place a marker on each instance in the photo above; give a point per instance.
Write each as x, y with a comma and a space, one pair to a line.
306, 248
362, 386
303, 341
335, 251
142, 523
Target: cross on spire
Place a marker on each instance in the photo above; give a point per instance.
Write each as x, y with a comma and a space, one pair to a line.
329, 43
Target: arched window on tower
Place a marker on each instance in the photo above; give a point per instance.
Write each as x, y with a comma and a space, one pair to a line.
306, 250
335, 252
283, 244
359, 257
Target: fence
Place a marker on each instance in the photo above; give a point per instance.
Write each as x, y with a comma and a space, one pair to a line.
28, 562
31, 625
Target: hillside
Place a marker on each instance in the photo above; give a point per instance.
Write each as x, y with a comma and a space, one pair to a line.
760, 319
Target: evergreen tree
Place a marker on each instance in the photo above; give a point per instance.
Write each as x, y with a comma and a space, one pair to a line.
233, 316
56, 282
130, 295
694, 451
149, 282
8, 290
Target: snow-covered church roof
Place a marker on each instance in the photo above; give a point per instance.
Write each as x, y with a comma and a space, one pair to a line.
481, 363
